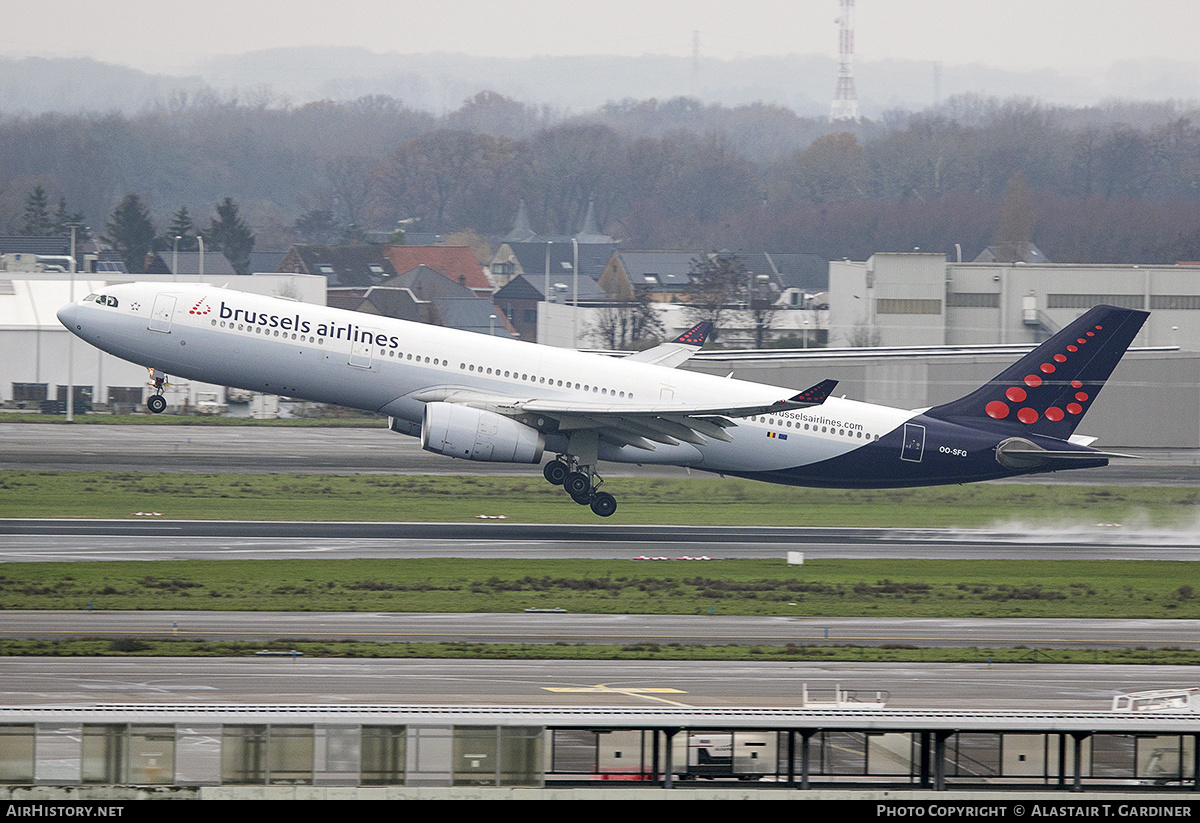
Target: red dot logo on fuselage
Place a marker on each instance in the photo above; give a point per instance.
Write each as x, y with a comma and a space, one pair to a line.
201, 308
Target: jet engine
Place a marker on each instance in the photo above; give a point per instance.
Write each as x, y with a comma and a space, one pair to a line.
475, 434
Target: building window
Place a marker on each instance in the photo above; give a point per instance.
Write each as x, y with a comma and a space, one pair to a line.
907, 306
973, 300
1174, 301
1086, 301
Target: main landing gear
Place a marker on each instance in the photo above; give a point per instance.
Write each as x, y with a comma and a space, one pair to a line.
156, 403
581, 483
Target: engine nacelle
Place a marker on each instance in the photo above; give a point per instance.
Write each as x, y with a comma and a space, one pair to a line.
475, 434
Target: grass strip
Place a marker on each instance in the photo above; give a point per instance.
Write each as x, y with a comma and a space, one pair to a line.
307, 649
697, 500
819, 588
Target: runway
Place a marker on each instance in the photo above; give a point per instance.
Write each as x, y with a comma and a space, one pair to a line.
32, 540
26, 681
375, 450
604, 629
283, 681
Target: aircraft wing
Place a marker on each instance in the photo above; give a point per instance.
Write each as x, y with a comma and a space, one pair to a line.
640, 425
676, 352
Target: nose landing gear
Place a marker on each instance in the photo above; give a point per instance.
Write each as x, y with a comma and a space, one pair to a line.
156, 403
581, 483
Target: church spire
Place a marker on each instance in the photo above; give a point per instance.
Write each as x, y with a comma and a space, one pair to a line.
522, 232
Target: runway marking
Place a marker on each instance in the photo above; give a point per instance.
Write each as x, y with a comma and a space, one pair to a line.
646, 693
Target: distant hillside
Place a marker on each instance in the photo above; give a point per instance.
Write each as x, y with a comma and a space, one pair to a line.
34, 85
439, 83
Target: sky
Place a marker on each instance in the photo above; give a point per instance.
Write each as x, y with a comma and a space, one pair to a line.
1072, 36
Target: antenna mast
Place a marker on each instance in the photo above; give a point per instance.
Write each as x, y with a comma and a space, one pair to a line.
845, 98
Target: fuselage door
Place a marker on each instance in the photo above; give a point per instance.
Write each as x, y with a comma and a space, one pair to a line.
161, 314
360, 354
914, 443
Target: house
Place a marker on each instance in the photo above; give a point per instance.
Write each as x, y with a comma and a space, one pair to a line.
349, 270
518, 300
188, 262
525, 252
456, 263
423, 295
664, 274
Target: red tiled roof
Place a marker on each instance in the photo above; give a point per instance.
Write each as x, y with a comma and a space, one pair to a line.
455, 262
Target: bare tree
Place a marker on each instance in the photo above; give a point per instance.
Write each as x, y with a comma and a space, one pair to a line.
629, 324
718, 287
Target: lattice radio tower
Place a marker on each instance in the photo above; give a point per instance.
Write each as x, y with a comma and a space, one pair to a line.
845, 98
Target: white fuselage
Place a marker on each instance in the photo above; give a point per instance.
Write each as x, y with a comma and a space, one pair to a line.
381, 364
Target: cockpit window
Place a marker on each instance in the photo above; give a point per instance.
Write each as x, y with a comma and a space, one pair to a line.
110, 301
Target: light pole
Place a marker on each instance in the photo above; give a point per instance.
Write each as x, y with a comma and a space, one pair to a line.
71, 342
492, 325
575, 300
200, 240
175, 255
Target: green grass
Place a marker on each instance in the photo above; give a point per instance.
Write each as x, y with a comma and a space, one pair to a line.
883, 588
696, 500
190, 647
828, 588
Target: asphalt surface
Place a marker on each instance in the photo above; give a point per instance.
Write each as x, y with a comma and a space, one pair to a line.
26, 681
375, 450
151, 539
283, 681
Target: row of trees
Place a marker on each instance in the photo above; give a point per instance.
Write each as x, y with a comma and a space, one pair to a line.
131, 232
1114, 184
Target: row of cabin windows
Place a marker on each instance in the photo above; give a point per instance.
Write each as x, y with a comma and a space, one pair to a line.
533, 378
841, 432
270, 332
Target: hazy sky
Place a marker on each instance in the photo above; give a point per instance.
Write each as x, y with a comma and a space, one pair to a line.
1071, 35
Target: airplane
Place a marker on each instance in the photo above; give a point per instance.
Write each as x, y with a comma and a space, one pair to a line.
492, 399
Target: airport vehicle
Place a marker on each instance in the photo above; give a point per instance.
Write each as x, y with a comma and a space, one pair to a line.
489, 399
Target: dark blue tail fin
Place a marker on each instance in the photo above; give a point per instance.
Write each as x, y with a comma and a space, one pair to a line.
1049, 390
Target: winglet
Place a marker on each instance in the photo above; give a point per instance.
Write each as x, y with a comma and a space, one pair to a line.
696, 335
815, 395
677, 351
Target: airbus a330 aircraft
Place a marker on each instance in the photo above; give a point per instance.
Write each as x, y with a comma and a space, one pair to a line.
483, 398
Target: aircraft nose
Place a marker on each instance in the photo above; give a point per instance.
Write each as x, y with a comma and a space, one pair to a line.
68, 314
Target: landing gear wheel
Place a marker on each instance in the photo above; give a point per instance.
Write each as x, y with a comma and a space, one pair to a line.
157, 404
556, 472
578, 485
582, 499
604, 504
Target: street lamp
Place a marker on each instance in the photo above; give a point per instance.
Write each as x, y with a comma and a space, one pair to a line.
575, 301
200, 240
492, 325
71, 342
175, 255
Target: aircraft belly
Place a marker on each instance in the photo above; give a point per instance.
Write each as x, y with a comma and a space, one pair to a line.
680, 454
